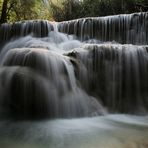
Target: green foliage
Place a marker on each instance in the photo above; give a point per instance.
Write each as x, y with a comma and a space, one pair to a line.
110, 7
66, 10
18, 10
0, 6
22, 10
60, 10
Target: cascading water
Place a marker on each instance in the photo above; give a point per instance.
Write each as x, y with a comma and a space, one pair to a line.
52, 91
125, 29
45, 74
116, 75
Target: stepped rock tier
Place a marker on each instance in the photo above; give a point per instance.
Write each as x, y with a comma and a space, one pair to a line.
38, 28
125, 29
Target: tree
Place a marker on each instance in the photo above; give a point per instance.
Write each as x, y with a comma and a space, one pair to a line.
3, 17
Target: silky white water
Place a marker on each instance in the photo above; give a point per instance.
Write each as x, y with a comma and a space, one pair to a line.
112, 131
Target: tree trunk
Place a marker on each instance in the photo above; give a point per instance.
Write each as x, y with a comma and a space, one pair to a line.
3, 18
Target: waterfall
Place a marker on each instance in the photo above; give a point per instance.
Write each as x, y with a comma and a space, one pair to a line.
125, 29
80, 83
115, 74
45, 73
45, 79
38, 28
